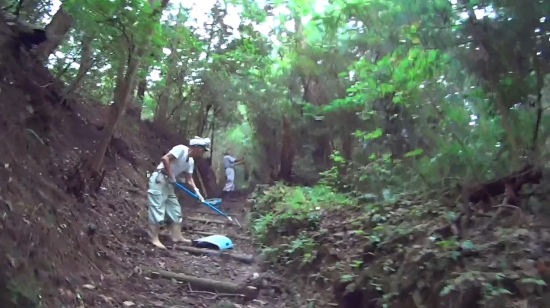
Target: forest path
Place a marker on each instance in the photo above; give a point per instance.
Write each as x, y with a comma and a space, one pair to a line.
224, 280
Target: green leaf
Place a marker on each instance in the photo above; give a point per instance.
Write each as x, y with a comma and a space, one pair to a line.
346, 278
467, 245
536, 281
373, 135
414, 153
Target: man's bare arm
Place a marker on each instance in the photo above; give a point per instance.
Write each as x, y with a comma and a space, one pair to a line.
189, 178
190, 181
166, 159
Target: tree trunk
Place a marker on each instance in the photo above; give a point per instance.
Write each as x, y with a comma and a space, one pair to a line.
86, 62
212, 135
202, 117
347, 146
161, 113
175, 115
322, 151
125, 82
208, 176
142, 87
57, 29
347, 151
287, 155
162, 103
131, 109
313, 93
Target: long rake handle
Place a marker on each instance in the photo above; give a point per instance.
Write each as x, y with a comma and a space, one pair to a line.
206, 203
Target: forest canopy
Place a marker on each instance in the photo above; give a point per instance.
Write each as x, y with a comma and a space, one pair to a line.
429, 90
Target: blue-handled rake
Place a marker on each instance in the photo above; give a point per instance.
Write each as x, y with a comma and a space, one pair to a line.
192, 194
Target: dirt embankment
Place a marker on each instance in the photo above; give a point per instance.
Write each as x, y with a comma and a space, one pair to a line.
51, 245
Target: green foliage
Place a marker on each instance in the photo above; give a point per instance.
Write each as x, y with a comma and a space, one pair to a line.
371, 69
25, 291
491, 284
331, 177
294, 213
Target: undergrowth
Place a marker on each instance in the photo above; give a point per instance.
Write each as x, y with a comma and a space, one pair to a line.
386, 243
293, 209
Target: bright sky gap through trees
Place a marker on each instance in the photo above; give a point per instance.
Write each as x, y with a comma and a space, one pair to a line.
200, 15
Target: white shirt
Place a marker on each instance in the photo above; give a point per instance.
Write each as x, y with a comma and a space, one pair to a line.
229, 161
182, 163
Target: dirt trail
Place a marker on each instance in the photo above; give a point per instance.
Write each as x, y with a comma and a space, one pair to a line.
146, 292
59, 251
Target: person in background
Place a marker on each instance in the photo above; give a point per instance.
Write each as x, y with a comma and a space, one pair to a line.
229, 163
162, 199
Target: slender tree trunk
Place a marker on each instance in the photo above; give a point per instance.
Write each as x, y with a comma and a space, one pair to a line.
287, 154
347, 145
124, 86
86, 62
131, 108
175, 115
347, 150
120, 98
161, 113
162, 104
213, 129
57, 29
141, 88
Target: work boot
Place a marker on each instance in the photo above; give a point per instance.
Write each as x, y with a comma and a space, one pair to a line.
154, 231
230, 196
175, 230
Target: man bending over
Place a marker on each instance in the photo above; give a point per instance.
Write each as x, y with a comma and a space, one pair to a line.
161, 197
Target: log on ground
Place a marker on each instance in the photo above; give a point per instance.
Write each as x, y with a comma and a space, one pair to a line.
203, 284
246, 259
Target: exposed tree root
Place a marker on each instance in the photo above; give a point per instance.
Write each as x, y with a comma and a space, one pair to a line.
203, 284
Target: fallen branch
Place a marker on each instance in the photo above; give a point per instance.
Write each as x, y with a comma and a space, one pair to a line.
213, 295
204, 284
210, 221
246, 259
240, 237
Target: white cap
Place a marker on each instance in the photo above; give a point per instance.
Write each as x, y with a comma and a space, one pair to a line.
201, 142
